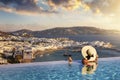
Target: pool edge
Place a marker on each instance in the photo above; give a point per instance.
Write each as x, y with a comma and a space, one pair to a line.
54, 62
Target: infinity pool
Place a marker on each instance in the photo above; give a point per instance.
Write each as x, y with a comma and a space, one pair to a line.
106, 69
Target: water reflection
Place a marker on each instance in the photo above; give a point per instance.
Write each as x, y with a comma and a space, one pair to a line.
89, 68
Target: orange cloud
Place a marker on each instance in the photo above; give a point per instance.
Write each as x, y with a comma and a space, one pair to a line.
65, 4
96, 6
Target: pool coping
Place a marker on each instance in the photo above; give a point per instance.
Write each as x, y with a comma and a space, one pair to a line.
53, 62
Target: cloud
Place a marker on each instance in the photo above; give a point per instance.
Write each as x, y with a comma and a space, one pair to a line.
67, 4
24, 7
103, 6
35, 7
96, 6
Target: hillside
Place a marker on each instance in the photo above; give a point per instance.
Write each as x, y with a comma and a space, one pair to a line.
20, 32
5, 34
69, 31
64, 32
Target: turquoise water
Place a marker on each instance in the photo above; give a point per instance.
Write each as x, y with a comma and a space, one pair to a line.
106, 69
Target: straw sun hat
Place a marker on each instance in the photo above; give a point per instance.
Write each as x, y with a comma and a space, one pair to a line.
89, 53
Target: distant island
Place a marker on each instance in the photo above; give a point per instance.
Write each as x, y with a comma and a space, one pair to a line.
62, 31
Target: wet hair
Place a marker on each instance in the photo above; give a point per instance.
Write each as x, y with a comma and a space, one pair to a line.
69, 55
88, 57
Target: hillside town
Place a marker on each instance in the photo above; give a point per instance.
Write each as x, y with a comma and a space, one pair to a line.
17, 49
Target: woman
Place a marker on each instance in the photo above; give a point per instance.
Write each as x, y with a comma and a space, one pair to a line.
70, 59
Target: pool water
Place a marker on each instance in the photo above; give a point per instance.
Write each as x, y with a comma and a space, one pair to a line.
106, 69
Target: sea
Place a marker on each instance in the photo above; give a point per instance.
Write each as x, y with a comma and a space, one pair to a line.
103, 53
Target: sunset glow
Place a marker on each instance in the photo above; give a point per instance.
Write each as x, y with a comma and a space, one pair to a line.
44, 14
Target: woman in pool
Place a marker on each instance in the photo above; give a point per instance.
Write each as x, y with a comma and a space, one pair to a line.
70, 59
88, 57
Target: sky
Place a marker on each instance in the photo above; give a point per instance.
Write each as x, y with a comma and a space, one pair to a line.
45, 14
